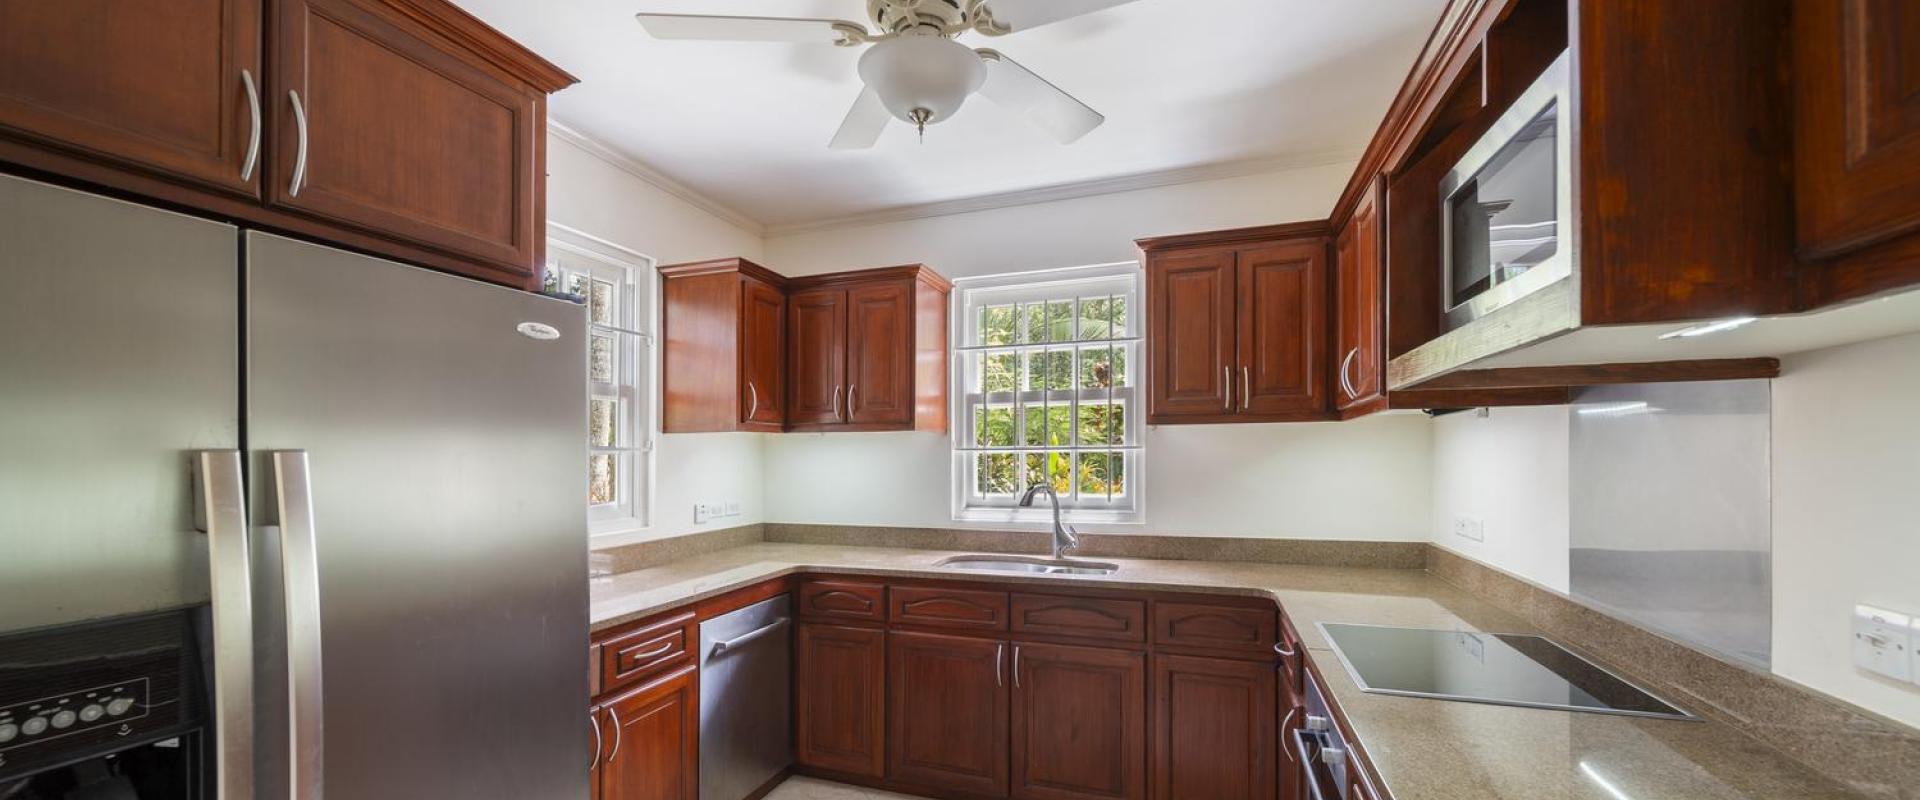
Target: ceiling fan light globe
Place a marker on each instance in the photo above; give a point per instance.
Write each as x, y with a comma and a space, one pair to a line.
929, 73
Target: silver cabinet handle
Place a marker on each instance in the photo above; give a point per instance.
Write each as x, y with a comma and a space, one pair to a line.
223, 511
615, 714
293, 491
755, 407
999, 660
253, 131
850, 406
599, 744
1016, 666
658, 651
836, 403
1285, 751
736, 642
300, 155
1227, 375
1284, 651
1346, 384
1246, 387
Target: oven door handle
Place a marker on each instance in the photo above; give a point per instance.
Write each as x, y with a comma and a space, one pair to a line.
1312, 765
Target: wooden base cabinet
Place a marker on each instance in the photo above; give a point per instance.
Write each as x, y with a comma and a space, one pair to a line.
947, 712
1214, 729
651, 740
1079, 723
840, 694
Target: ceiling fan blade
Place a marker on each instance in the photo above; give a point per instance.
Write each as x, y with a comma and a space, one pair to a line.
1017, 88
750, 29
864, 123
1020, 15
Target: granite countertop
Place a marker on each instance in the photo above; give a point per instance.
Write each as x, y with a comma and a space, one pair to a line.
1423, 749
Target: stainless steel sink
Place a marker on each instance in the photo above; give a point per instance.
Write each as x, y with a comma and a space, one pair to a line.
1029, 564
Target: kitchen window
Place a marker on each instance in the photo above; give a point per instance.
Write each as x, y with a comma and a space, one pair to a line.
617, 287
1046, 376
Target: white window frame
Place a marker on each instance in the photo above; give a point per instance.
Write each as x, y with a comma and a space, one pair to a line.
1124, 279
636, 370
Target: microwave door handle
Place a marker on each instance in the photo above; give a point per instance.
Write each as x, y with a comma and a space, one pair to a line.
221, 506
299, 560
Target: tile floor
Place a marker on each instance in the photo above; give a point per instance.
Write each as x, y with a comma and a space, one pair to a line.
799, 788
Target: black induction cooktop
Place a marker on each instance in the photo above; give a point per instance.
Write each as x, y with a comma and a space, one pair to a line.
1500, 668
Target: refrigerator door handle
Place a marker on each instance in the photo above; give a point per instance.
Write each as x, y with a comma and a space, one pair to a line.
222, 514
294, 494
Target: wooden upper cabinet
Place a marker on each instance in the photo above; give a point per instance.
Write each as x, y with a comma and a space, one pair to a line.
947, 712
1283, 319
386, 125
880, 353
1079, 723
1857, 143
817, 357
654, 741
723, 327
1190, 335
1237, 325
839, 692
1359, 303
158, 87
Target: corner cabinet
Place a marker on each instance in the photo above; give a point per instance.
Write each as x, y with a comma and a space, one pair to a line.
406, 128
1237, 325
723, 331
840, 679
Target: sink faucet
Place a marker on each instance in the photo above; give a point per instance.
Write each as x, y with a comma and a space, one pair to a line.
1064, 536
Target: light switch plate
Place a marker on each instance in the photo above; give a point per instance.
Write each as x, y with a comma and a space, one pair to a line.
701, 513
1883, 642
1470, 528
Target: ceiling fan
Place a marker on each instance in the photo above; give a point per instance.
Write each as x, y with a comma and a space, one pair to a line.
915, 71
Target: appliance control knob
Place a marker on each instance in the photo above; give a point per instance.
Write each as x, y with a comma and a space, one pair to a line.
120, 705
34, 727
1317, 723
8, 732
92, 712
64, 719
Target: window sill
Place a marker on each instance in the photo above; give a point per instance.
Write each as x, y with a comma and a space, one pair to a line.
1043, 517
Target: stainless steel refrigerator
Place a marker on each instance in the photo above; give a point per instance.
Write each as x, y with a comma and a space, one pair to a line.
371, 476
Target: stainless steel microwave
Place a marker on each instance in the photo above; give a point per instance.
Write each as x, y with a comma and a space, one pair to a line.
1506, 209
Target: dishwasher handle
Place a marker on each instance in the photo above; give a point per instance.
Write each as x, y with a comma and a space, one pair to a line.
722, 646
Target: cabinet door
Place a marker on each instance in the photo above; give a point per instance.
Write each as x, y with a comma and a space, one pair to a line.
839, 698
1213, 729
880, 354
1190, 330
401, 138
817, 357
158, 86
763, 349
1857, 115
1079, 723
1357, 357
655, 736
947, 712
1283, 329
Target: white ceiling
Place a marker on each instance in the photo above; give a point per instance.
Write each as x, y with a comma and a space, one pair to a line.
1189, 87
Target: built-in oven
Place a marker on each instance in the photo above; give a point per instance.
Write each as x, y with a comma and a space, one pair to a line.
1506, 208
1324, 754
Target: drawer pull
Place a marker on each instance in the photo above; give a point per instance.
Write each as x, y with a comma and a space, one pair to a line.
658, 651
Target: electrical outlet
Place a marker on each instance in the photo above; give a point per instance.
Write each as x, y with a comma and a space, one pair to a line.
733, 509
1883, 642
701, 513
1470, 528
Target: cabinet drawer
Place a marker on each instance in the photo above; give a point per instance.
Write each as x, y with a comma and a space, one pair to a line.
1248, 630
937, 607
1083, 617
854, 600
645, 651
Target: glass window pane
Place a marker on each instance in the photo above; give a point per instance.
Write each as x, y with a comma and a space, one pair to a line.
1096, 318
999, 372
993, 427
1048, 426
600, 351
1053, 468
1101, 367
1120, 316
1050, 370
600, 479
1102, 424
577, 284
996, 325
1050, 322
1101, 473
600, 303
995, 474
602, 421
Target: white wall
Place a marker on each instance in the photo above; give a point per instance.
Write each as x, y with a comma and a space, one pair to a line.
1846, 511
1507, 469
602, 199
1845, 505
1279, 480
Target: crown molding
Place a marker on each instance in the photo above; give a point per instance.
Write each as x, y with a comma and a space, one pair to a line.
1072, 191
656, 178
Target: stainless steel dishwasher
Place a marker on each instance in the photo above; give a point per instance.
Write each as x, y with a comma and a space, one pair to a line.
746, 729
